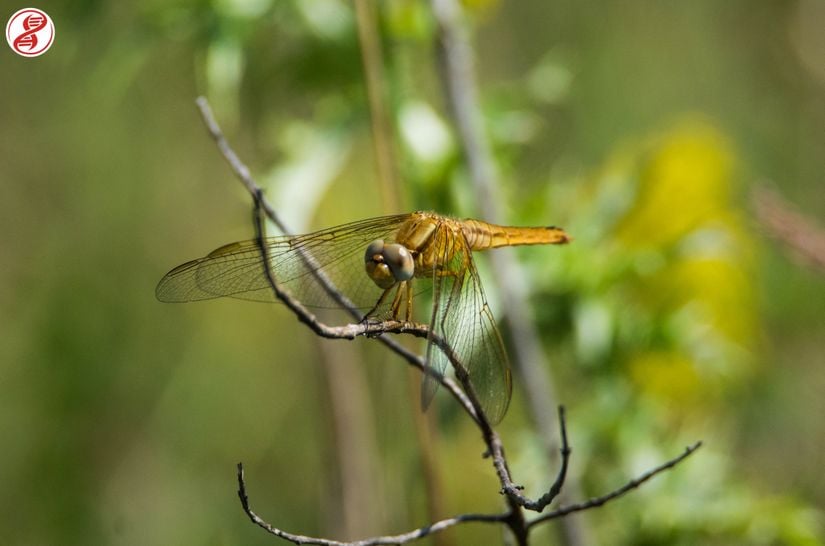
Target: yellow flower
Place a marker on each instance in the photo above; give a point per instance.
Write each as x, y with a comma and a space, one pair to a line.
684, 182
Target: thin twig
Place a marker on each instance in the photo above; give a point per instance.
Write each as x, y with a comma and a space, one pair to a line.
629, 486
513, 491
238, 166
372, 61
375, 541
555, 489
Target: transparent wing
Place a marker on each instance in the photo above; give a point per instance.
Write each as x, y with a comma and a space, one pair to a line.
462, 317
304, 265
435, 358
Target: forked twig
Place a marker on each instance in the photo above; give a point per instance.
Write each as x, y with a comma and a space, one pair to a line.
616, 493
463, 518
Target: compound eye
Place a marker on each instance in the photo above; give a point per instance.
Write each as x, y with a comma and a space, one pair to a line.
400, 261
375, 248
376, 267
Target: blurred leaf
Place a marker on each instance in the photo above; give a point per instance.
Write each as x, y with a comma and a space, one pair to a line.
328, 19
314, 156
425, 133
224, 72
550, 80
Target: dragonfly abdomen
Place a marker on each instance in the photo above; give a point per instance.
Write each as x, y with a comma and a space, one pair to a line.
482, 235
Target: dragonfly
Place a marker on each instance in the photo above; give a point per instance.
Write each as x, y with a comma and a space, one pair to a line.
380, 267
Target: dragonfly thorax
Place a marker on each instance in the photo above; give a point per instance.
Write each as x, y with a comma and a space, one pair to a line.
388, 264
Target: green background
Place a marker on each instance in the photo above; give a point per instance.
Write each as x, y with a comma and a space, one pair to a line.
642, 127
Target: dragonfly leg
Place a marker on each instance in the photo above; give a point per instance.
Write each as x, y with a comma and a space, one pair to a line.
378, 304
408, 315
396, 301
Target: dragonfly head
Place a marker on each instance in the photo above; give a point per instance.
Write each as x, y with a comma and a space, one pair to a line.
387, 264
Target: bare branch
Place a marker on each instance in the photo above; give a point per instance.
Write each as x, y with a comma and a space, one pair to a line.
238, 166
629, 486
374, 541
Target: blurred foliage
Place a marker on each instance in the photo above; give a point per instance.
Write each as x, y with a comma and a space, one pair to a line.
660, 288
639, 128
